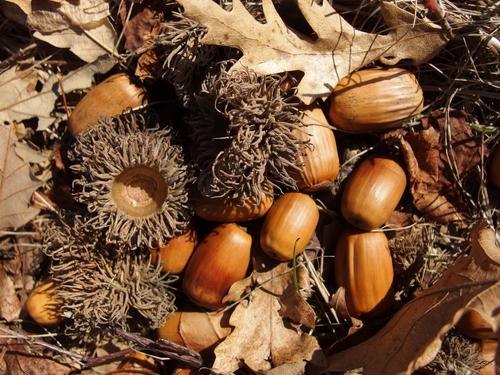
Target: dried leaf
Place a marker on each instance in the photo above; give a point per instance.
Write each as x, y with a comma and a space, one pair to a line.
21, 360
139, 28
261, 339
19, 99
273, 47
88, 45
10, 306
81, 26
16, 185
432, 184
413, 336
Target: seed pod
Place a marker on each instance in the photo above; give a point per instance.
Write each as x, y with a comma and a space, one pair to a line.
289, 225
217, 262
319, 159
372, 192
174, 255
196, 330
472, 324
43, 305
375, 99
109, 98
494, 175
487, 351
226, 210
363, 266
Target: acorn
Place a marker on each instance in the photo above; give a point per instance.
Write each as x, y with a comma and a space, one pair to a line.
137, 363
175, 254
196, 330
289, 226
228, 210
111, 97
363, 266
43, 305
472, 324
487, 351
494, 170
220, 260
374, 100
319, 159
372, 192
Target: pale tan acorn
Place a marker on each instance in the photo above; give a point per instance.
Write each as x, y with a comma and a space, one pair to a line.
319, 159
43, 305
111, 97
375, 99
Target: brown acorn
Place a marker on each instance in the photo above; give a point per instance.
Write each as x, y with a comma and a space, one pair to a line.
375, 99
319, 159
289, 225
43, 305
472, 324
196, 330
494, 170
363, 266
111, 97
372, 192
220, 260
227, 210
175, 254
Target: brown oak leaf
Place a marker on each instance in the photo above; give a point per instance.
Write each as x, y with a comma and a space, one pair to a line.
413, 336
261, 338
432, 185
16, 184
339, 49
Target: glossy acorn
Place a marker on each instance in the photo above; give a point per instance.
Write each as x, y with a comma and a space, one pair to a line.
111, 97
175, 254
372, 192
375, 99
289, 225
227, 210
363, 266
472, 324
196, 330
319, 160
220, 260
43, 305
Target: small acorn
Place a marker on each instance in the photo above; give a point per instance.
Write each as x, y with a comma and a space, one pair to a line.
220, 260
289, 226
196, 330
472, 324
111, 97
175, 254
227, 210
43, 305
372, 192
363, 266
319, 159
375, 99
494, 170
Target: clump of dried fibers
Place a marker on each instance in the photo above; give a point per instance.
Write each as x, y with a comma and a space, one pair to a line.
132, 179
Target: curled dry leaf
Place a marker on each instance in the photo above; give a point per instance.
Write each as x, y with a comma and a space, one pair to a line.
261, 339
16, 185
10, 306
413, 336
432, 184
140, 26
81, 26
273, 47
20, 359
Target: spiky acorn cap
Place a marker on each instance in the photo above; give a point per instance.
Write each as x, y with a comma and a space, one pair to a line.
132, 179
